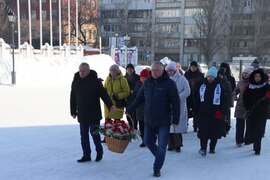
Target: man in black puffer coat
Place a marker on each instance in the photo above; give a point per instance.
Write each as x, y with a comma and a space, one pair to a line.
86, 91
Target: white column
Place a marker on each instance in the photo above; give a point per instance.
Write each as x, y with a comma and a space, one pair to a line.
30, 22
60, 25
40, 23
77, 25
51, 34
19, 23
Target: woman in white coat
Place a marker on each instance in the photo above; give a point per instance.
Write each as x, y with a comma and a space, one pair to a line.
175, 137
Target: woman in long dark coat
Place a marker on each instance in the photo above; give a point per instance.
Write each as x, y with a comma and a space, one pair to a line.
256, 100
211, 109
231, 79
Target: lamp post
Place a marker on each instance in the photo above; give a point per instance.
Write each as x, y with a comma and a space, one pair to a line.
127, 39
116, 36
12, 20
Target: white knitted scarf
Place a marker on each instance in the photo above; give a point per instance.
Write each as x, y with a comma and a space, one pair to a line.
217, 94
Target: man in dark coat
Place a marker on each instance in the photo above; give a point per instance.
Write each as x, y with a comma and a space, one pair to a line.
132, 79
161, 109
195, 78
86, 91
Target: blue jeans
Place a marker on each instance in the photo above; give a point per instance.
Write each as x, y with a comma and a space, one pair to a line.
151, 134
85, 142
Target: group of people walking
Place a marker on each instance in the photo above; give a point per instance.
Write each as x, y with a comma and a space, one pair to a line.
161, 101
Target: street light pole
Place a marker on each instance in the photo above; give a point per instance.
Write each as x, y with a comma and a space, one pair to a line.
12, 19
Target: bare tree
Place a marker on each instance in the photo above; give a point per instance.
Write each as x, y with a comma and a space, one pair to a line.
5, 7
262, 24
211, 23
235, 28
87, 21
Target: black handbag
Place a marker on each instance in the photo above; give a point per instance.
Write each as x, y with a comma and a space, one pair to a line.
120, 103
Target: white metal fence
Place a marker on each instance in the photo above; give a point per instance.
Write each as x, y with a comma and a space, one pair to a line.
27, 51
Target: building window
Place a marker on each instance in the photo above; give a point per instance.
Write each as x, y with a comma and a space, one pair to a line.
167, 28
168, 13
23, 15
44, 15
43, 1
191, 12
55, 13
245, 44
33, 15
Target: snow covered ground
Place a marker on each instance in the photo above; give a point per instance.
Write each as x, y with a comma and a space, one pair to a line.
39, 140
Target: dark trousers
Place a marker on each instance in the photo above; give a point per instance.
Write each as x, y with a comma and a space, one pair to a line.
141, 128
249, 132
175, 140
228, 121
258, 127
85, 141
240, 128
204, 142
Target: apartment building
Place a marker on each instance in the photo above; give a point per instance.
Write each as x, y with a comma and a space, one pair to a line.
251, 29
155, 27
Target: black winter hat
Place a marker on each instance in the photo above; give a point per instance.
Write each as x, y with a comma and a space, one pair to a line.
130, 66
221, 71
194, 63
255, 64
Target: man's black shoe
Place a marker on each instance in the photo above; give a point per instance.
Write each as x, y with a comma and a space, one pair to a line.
99, 157
156, 173
84, 159
142, 145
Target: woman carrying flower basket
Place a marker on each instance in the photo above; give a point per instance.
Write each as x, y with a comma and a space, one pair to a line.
211, 109
117, 87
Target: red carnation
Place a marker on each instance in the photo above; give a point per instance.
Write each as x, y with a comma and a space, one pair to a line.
267, 95
218, 114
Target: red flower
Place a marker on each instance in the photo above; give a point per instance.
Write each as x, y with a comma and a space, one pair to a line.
218, 114
267, 95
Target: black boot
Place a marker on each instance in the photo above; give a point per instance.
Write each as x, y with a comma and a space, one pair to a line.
84, 159
99, 157
156, 173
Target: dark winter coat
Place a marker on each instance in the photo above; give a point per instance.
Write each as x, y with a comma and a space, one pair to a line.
228, 88
230, 78
161, 101
254, 93
132, 79
195, 79
240, 110
85, 97
140, 108
210, 125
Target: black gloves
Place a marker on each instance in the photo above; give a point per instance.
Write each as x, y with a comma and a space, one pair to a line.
115, 97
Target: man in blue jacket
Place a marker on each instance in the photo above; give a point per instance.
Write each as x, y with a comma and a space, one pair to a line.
162, 108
